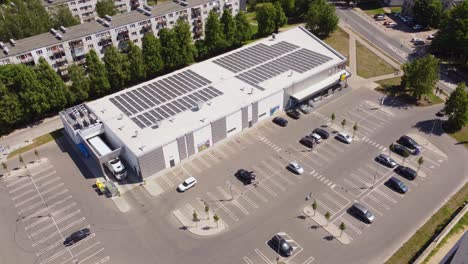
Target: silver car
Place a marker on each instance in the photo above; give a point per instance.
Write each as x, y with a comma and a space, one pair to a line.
295, 167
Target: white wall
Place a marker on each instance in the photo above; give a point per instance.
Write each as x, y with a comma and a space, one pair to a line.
171, 152
265, 105
201, 136
234, 121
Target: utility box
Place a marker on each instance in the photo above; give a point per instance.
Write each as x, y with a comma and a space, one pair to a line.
112, 188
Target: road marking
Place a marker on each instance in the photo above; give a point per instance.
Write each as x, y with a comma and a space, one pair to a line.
307, 261
276, 173
27, 200
333, 200
52, 189
221, 205
322, 179
202, 160
371, 207
233, 200
26, 218
55, 256
49, 248
326, 181
45, 176
359, 179
326, 207
263, 257
49, 182
333, 186
164, 177
90, 256
386, 196
258, 195
243, 195
23, 194
247, 260
378, 202
23, 178
355, 229
20, 187
72, 224
105, 259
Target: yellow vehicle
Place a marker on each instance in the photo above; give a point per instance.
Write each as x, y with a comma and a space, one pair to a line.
101, 186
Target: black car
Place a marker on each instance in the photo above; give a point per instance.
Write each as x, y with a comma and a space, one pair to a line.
281, 246
280, 121
408, 142
400, 150
322, 133
294, 114
397, 185
406, 172
441, 113
308, 142
247, 177
77, 236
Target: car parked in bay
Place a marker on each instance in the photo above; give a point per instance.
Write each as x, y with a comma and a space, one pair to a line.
345, 138
295, 167
321, 132
400, 150
187, 184
245, 176
281, 246
280, 121
406, 172
77, 236
294, 114
308, 142
397, 185
361, 212
386, 160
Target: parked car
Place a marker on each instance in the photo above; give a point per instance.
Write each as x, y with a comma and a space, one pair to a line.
308, 142
344, 138
280, 121
322, 133
77, 236
406, 172
415, 39
419, 42
305, 108
408, 142
362, 212
281, 246
441, 113
397, 185
392, 25
295, 167
315, 137
294, 114
400, 150
187, 184
430, 37
379, 17
247, 177
386, 160
418, 27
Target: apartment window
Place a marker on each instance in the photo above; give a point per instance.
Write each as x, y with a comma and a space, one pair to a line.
204, 5
132, 26
135, 41
205, 12
171, 15
75, 9
54, 65
39, 52
90, 46
48, 49
172, 22
211, 3
236, 3
134, 33
88, 38
73, 3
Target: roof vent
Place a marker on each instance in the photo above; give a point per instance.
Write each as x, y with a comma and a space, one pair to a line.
105, 23
53, 31
136, 134
59, 36
63, 29
139, 9
199, 106
147, 7
108, 18
98, 19
6, 50
148, 13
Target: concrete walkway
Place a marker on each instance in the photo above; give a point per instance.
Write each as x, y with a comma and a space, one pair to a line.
205, 226
333, 230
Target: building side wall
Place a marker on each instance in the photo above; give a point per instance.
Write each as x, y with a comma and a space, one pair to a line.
270, 105
234, 123
171, 152
152, 162
202, 138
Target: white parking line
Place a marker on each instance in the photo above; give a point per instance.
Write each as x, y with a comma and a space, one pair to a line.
23, 194
359, 179
105, 259
334, 201
48, 182
221, 205
308, 261
164, 177
38, 179
373, 198
247, 260
386, 196
243, 195
348, 224
49, 247
26, 218
326, 207
56, 255
233, 200
268, 190
90, 256
259, 195
371, 207
27, 200
53, 188
20, 187
263, 257
73, 223
275, 172
201, 158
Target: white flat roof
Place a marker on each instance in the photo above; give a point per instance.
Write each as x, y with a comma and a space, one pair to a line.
236, 93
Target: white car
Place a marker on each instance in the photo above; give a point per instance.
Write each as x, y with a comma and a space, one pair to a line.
417, 27
305, 108
294, 166
430, 37
187, 184
416, 39
316, 137
344, 137
392, 25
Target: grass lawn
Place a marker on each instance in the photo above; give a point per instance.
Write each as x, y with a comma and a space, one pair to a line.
392, 87
371, 8
370, 65
339, 40
461, 136
37, 142
395, 9
414, 246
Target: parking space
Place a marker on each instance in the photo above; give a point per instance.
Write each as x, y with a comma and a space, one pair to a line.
48, 214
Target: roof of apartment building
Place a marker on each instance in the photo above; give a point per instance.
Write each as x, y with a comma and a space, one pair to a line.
82, 30
158, 111
55, 2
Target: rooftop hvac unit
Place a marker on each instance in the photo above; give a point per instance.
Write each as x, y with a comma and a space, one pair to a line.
63, 29
12, 42
199, 106
86, 121
139, 9
2, 45
183, 3
147, 7
6, 50
148, 13
59, 36
105, 23
108, 18
99, 20
53, 31
80, 122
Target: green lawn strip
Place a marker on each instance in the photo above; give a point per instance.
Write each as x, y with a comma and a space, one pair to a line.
369, 64
371, 8
37, 142
417, 243
461, 136
459, 227
339, 40
395, 9
392, 87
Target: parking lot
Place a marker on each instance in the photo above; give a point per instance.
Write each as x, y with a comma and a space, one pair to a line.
48, 213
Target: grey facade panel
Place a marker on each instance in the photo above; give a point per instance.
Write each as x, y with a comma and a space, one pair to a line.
286, 100
182, 148
245, 118
190, 144
218, 130
152, 162
254, 112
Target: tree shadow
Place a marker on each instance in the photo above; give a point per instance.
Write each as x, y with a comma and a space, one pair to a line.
183, 228
302, 217
329, 238
430, 127
206, 228
315, 227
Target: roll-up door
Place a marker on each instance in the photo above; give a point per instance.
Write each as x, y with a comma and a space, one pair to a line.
254, 112
152, 162
190, 144
245, 117
182, 148
218, 130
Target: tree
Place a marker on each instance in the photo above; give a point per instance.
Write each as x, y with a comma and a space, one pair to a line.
207, 211
200, 47
421, 75
342, 228
266, 19
152, 60
333, 117
314, 206
216, 219
99, 84
63, 17
117, 68
452, 38
321, 18
11, 110
289, 7
327, 216
427, 12
243, 29
343, 123
168, 50
228, 25
5, 167
420, 163
136, 63
214, 37
280, 18
185, 48
456, 107
21, 160
355, 128
79, 88
55, 89
36, 153
105, 7
195, 218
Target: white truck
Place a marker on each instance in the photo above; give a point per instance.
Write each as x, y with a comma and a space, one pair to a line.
114, 165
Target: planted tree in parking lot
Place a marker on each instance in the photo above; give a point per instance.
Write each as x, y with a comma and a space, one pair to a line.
342, 228
456, 107
314, 206
333, 117
327, 216
5, 166
216, 219
421, 75
420, 163
427, 12
343, 123
21, 160
195, 217
355, 128
36, 153
207, 211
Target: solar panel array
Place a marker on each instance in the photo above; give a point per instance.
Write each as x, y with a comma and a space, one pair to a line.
164, 98
300, 61
254, 55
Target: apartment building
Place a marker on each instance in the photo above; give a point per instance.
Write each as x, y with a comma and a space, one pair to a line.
65, 46
85, 10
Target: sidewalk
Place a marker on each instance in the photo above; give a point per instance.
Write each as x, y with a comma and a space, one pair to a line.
205, 226
332, 229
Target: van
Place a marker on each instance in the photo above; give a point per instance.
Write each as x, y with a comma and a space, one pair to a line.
362, 213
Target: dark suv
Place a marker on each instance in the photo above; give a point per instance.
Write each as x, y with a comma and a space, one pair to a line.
406, 172
294, 114
77, 236
247, 177
400, 150
321, 132
280, 121
281, 246
408, 142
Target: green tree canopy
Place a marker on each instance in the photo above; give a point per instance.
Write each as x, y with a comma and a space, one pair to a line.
105, 7
321, 18
136, 63
456, 107
11, 110
117, 67
168, 48
280, 18
214, 37
243, 29
79, 87
63, 17
421, 75
427, 12
185, 48
99, 84
200, 47
452, 38
153, 62
229, 28
289, 7
266, 15
56, 91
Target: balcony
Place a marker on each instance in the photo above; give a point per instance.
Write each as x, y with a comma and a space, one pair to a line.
146, 29
56, 49
183, 16
26, 58
80, 61
76, 44
196, 12
228, 5
60, 60
161, 24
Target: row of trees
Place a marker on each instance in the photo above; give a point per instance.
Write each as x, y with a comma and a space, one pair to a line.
427, 12
25, 18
